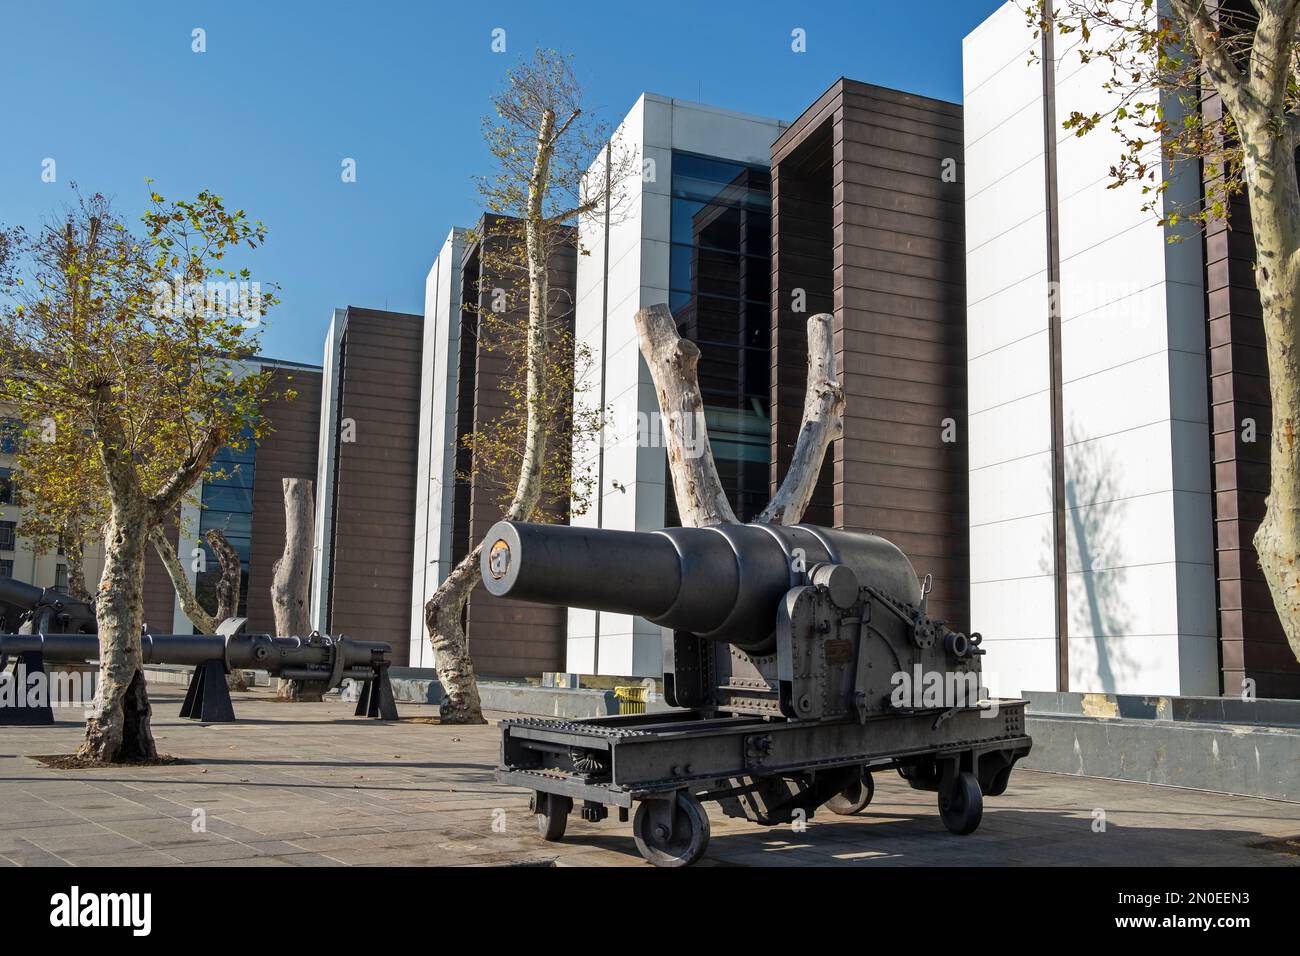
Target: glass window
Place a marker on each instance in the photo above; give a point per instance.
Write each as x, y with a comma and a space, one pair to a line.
8, 535
6, 568
227, 506
61, 577
11, 430
720, 276
6, 486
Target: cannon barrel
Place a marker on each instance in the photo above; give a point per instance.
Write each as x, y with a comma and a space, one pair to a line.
298, 658
19, 594
724, 582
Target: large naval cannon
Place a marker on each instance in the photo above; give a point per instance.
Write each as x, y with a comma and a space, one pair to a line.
52, 627
800, 658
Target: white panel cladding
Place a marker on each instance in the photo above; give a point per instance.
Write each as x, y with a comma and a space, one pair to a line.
1000, 41
1139, 543
1139, 547
1012, 598
436, 461
324, 489
611, 288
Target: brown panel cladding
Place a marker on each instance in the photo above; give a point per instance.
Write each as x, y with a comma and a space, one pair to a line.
1251, 641
374, 495
803, 250
289, 451
159, 595
506, 638
865, 224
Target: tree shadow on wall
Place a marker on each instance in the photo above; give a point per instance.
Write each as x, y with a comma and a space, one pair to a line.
1094, 556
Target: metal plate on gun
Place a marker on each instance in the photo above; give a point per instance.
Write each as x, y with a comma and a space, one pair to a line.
499, 559
838, 651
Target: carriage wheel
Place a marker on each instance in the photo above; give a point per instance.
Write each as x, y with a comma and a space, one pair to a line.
552, 814
671, 832
962, 806
854, 798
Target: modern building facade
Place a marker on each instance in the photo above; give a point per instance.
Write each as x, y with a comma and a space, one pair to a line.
464, 391
745, 227
1048, 398
365, 477
692, 231
243, 497
867, 224
1092, 552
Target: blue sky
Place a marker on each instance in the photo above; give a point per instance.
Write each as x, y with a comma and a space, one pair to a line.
113, 92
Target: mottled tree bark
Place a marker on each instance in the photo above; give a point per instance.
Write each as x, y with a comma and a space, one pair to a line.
228, 587
228, 591
674, 363
74, 551
823, 423
1257, 99
291, 580
445, 611
117, 725
1275, 220
443, 618
195, 611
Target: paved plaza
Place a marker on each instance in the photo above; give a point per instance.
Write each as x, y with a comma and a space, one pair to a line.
308, 785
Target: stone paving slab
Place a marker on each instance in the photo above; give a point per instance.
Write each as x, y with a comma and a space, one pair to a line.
308, 785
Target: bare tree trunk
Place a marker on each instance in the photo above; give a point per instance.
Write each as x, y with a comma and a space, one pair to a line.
291, 580
117, 727
1257, 99
74, 550
118, 719
674, 362
444, 611
442, 616
823, 423
232, 570
228, 588
1275, 219
199, 617
701, 499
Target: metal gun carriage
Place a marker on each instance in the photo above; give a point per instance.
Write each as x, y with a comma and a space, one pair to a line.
788, 652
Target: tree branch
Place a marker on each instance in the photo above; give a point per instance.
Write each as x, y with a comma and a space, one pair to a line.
231, 572
579, 210
823, 423
1270, 54
191, 470
1223, 73
198, 616
564, 127
673, 363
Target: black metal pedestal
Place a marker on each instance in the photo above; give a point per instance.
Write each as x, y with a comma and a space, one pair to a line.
19, 714
208, 698
376, 697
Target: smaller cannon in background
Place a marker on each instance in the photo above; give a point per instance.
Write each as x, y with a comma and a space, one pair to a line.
28, 609
321, 658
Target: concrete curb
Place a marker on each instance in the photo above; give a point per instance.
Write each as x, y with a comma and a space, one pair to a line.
420, 686
1252, 761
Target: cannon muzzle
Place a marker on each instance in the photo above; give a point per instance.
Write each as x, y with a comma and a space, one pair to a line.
723, 582
18, 594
